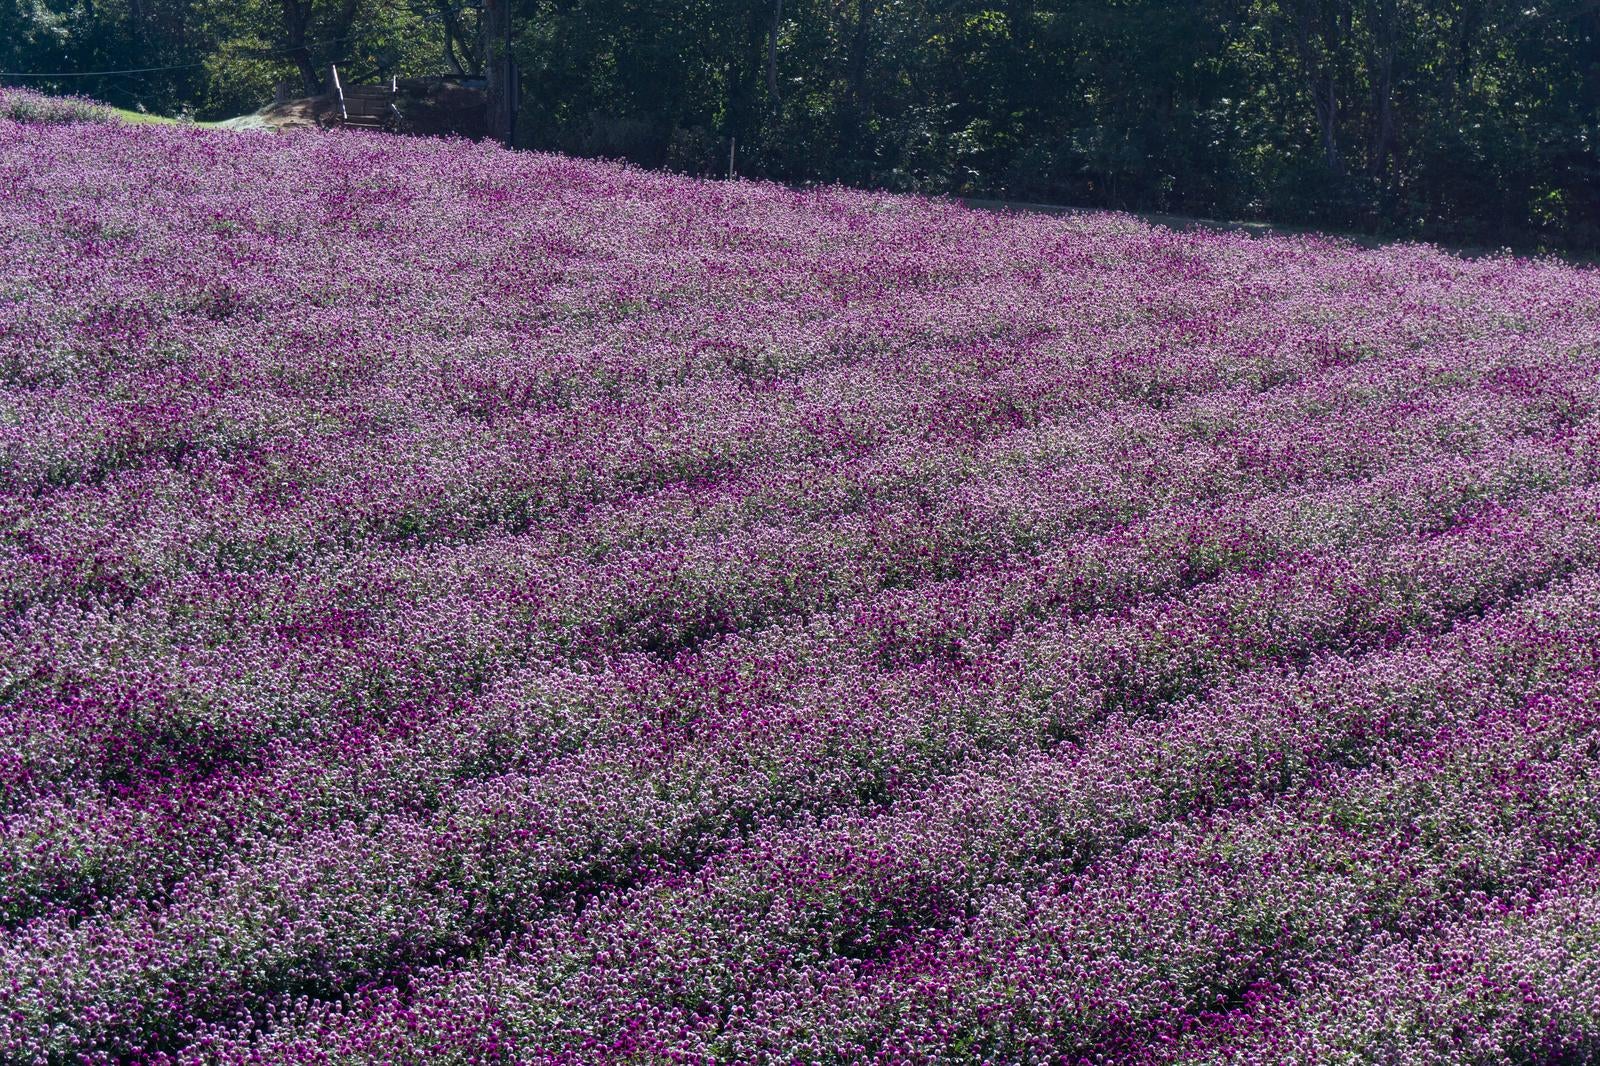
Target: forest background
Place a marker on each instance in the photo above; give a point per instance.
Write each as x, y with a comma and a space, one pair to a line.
1464, 121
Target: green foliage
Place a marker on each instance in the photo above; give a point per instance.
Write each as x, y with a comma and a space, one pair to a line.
1471, 120
1463, 120
368, 40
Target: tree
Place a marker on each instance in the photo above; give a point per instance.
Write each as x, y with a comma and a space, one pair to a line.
500, 68
1470, 120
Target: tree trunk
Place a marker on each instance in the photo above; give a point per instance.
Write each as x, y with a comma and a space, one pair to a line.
1315, 25
772, 52
498, 66
1325, 98
296, 17
450, 52
1387, 32
856, 72
1466, 29
342, 27
452, 33
1382, 117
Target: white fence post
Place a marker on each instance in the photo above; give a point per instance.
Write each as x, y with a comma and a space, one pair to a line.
338, 91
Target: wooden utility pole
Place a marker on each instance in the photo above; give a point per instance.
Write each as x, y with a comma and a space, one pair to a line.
501, 71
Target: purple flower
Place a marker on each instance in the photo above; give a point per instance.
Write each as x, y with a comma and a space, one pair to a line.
470, 606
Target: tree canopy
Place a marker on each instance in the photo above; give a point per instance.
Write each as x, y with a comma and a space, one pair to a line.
1474, 121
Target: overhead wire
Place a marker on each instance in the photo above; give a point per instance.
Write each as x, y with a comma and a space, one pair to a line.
252, 54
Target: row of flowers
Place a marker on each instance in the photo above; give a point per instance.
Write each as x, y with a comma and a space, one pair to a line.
464, 604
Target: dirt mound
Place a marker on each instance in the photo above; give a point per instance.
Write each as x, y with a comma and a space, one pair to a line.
310, 112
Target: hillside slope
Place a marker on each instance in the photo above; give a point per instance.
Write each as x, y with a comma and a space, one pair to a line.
473, 606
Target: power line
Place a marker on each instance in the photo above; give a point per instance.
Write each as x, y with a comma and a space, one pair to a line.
264, 54
99, 73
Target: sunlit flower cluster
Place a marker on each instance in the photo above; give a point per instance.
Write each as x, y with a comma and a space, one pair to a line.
25, 105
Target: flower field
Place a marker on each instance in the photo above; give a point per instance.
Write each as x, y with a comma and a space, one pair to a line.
25, 105
465, 606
